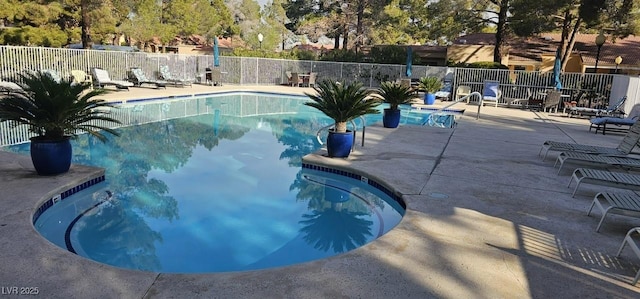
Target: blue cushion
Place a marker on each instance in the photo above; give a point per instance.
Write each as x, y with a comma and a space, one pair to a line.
612, 120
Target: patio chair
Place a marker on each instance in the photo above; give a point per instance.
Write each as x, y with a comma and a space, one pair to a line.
625, 147
137, 77
601, 161
491, 92
101, 79
632, 239
214, 76
625, 203
80, 77
288, 74
165, 75
552, 101
310, 80
295, 79
604, 177
463, 91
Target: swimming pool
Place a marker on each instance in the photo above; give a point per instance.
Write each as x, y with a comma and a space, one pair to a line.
215, 184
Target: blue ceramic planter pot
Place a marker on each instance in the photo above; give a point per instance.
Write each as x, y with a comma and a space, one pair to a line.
339, 144
51, 157
391, 118
429, 99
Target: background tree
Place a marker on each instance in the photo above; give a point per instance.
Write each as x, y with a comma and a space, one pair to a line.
275, 16
619, 18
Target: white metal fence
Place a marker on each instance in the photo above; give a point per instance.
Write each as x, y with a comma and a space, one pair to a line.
263, 71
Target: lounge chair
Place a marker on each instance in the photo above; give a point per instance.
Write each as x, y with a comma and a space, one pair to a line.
137, 77
165, 75
616, 124
491, 92
445, 92
101, 79
612, 110
80, 77
604, 177
521, 102
600, 161
7, 87
625, 147
632, 239
625, 203
53, 75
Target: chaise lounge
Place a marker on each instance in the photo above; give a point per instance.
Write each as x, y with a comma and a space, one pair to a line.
165, 74
615, 124
604, 178
625, 147
621, 203
101, 79
632, 239
600, 161
137, 77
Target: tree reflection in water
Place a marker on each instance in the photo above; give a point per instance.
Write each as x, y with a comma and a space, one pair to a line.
121, 232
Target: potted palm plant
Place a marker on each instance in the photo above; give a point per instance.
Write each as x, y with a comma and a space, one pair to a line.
430, 85
395, 95
55, 111
342, 102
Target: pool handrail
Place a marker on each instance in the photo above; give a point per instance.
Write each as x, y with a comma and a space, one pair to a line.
475, 93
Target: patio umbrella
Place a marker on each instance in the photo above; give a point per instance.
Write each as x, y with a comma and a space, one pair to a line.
409, 60
216, 52
557, 68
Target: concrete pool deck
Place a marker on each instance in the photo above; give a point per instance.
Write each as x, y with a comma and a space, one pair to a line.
486, 218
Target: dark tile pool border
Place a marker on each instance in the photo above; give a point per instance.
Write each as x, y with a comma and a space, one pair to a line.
53, 200
358, 177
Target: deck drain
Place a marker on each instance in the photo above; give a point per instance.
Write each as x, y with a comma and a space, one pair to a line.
438, 195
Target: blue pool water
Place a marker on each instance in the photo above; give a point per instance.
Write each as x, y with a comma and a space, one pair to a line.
213, 185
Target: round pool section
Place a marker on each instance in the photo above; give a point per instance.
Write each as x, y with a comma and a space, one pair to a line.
220, 189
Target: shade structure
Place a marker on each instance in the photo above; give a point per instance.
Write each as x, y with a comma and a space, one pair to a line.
216, 52
557, 69
409, 60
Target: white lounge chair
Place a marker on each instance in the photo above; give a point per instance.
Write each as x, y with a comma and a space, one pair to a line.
625, 203
632, 239
625, 147
101, 79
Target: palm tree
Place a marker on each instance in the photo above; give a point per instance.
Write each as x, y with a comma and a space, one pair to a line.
54, 109
342, 102
395, 94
